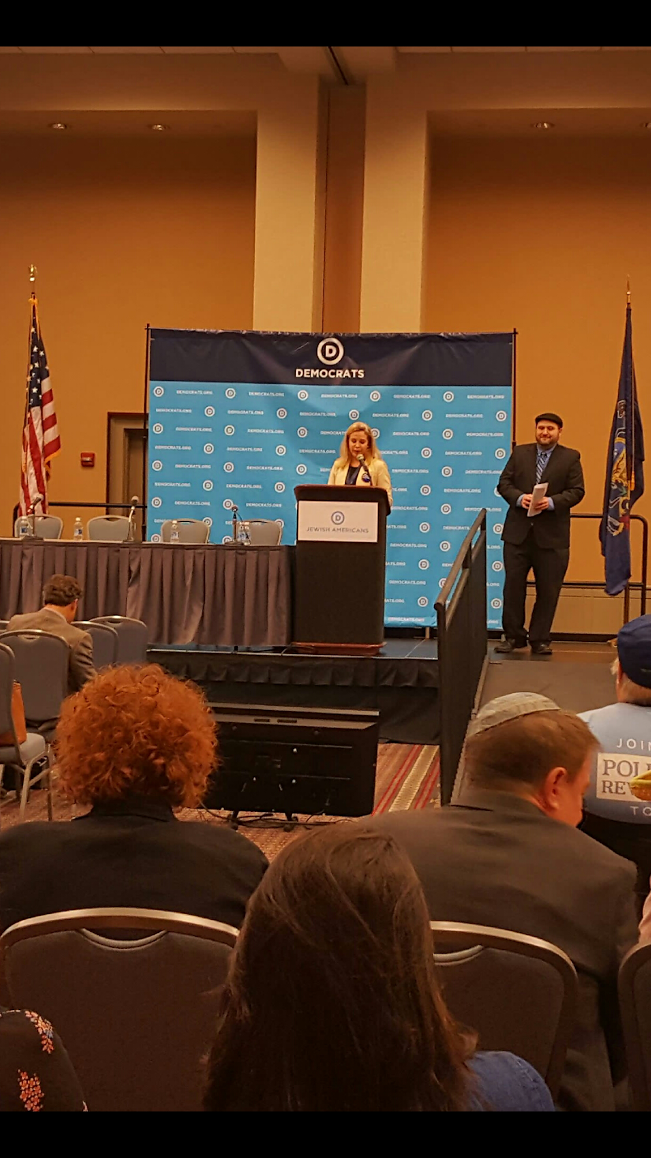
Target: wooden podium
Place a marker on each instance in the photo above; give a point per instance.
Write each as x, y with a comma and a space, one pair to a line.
340, 567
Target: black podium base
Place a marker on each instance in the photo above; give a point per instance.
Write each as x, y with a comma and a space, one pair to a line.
339, 580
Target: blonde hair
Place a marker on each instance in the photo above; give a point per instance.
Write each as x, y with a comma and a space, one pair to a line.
372, 447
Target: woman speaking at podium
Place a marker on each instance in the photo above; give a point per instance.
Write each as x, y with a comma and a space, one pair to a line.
360, 462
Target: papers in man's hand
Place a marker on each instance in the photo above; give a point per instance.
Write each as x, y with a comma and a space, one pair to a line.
538, 493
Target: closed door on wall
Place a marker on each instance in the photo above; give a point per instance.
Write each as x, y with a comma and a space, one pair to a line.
126, 462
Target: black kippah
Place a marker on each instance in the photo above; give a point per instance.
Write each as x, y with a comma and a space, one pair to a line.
549, 417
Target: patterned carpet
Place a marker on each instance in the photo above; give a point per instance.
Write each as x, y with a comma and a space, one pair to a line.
407, 777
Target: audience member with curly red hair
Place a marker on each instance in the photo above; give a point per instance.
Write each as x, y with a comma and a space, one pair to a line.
135, 743
136, 731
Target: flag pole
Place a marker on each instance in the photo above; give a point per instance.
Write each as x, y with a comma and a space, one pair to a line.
628, 292
32, 278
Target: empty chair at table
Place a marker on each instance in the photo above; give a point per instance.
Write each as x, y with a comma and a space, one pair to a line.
108, 528
262, 532
44, 526
190, 530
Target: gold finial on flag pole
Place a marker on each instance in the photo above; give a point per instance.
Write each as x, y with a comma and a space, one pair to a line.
628, 291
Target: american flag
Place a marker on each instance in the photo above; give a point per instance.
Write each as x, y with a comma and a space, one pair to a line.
40, 431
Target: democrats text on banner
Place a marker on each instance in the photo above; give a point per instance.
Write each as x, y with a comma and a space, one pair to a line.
242, 418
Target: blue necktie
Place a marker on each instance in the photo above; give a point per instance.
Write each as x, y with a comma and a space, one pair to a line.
541, 463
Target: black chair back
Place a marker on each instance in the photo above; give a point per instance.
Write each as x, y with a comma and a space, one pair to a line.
518, 992
136, 1016
132, 637
105, 642
634, 985
7, 677
42, 662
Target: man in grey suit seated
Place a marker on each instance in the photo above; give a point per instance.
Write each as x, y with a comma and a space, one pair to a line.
61, 596
507, 853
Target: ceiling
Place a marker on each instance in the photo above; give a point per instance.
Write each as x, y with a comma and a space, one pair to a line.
477, 90
266, 49
521, 123
130, 122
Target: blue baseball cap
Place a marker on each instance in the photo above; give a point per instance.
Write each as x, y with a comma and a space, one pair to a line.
634, 650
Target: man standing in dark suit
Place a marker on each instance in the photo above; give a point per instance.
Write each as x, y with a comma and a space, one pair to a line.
507, 853
540, 541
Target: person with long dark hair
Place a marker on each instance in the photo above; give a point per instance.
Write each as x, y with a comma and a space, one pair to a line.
332, 1003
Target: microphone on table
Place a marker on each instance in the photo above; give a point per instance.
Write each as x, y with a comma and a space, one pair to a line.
134, 502
366, 476
32, 511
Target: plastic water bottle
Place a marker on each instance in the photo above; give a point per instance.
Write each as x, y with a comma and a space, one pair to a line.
174, 533
23, 527
78, 530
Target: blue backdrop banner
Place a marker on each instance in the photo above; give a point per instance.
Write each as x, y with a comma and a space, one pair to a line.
243, 417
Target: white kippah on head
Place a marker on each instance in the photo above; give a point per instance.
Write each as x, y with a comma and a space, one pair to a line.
511, 707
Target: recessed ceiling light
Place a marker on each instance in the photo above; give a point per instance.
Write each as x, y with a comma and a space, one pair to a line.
543, 125
58, 125
158, 128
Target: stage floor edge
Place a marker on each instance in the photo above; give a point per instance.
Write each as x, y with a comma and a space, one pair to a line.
401, 681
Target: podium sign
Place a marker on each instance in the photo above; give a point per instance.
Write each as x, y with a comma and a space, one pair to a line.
337, 522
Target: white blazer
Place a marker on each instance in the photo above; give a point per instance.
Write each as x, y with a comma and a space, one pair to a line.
377, 469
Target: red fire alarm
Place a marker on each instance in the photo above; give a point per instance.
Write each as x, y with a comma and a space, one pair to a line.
88, 458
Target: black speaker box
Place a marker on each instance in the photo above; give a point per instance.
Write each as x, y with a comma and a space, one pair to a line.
307, 760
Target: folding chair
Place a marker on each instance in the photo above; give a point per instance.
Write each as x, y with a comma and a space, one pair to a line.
518, 992
190, 530
105, 642
634, 984
136, 1016
45, 526
21, 757
108, 528
41, 666
132, 637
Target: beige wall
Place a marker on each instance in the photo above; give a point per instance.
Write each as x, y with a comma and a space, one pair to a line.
540, 235
344, 209
338, 214
124, 232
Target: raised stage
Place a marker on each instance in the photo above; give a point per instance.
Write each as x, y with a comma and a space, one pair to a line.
401, 681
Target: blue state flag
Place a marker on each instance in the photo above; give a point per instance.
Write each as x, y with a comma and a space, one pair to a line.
624, 473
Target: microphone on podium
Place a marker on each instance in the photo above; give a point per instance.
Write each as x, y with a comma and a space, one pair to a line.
366, 476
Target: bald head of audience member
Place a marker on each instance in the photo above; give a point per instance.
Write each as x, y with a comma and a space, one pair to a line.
525, 744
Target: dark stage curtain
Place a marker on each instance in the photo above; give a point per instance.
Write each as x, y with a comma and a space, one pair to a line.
219, 595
